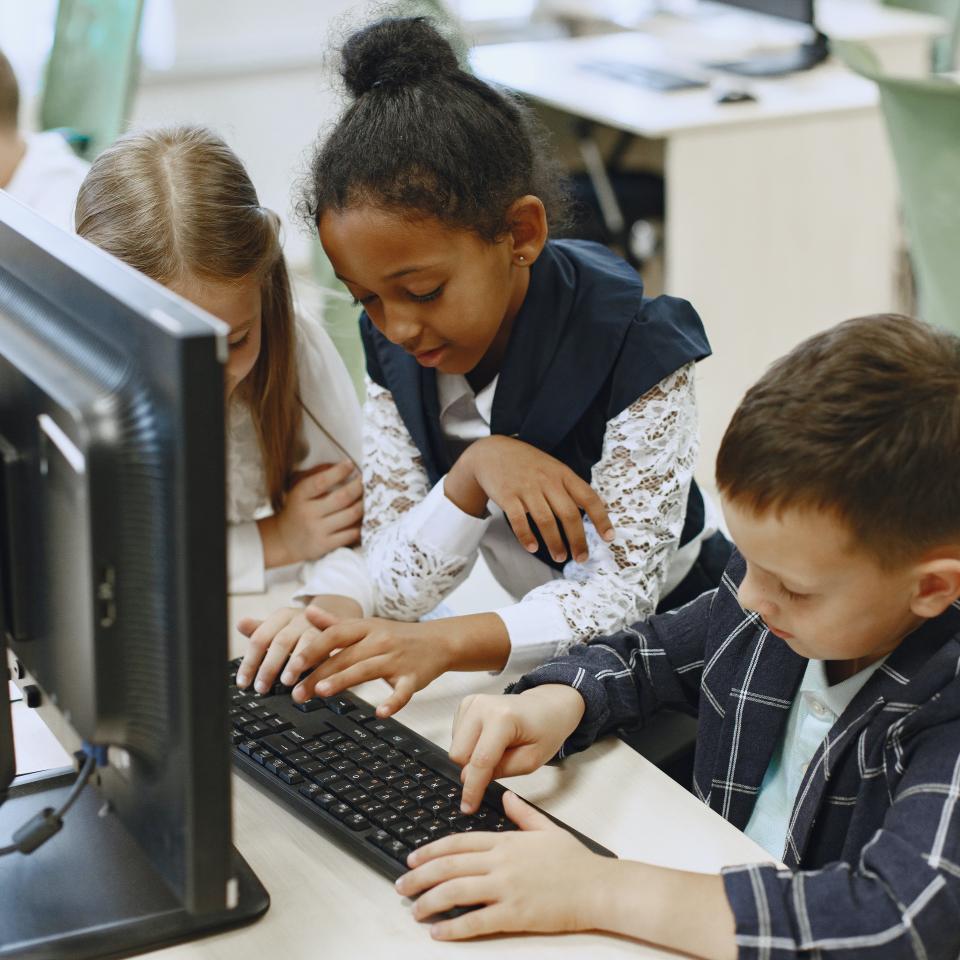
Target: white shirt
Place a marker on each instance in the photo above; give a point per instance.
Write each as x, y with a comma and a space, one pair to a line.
328, 393
48, 178
816, 708
420, 546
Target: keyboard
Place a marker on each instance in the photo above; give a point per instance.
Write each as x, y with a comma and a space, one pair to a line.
641, 75
374, 785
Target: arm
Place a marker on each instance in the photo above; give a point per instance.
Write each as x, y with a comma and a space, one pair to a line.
418, 545
643, 476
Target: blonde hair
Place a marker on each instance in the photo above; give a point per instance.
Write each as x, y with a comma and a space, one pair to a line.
176, 203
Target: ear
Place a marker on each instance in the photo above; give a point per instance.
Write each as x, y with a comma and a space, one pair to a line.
937, 586
526, 229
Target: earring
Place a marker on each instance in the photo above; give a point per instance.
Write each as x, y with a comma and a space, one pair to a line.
521, 258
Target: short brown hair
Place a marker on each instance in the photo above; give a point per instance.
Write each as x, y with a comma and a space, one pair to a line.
9, 95
864, 420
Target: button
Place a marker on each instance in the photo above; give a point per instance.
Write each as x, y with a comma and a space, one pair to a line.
818, 709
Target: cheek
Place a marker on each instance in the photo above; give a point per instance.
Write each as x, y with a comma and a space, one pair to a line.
242, 361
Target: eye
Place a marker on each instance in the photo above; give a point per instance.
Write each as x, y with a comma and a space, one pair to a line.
790, 595
364, 301
236, 344
427, 297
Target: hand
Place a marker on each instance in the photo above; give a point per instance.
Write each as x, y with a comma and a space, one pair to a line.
283, 633
504, 736
322, 512
522, 481
407, 655
539, 879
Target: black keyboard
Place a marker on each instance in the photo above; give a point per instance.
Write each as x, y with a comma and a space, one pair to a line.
375, 785
641, 75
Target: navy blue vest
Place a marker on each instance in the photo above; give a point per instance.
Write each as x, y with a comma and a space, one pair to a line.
585, 345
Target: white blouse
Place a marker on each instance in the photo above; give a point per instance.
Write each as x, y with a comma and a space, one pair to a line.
328, 393
420, 546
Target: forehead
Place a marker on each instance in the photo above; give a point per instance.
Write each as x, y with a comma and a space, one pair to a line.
368, 242
236, 302
800, 545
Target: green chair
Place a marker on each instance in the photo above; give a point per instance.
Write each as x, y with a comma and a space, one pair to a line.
923, 125
944, 55
92, 71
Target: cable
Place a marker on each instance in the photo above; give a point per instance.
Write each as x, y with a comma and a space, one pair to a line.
41, 827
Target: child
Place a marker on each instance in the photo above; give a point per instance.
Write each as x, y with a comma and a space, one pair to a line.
825, 671
178, 205
38, 169
508, 372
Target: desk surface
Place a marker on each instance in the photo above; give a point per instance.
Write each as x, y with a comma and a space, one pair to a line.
324, 902
552, 71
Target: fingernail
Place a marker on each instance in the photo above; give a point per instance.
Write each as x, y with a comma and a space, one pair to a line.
242, 679
609, 535
288, 677
532, 547
261, 687
559, 557
581, 557
323, 688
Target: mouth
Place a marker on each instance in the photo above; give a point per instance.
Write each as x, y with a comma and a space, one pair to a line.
782, 634
430, 358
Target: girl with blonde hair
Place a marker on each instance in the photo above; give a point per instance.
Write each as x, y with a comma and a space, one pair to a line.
177, 205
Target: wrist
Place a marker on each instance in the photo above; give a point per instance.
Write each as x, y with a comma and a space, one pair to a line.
460, 487
475, 642
346, 608
275, 552
565, 704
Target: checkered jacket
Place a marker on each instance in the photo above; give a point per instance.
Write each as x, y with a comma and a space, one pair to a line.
873, 845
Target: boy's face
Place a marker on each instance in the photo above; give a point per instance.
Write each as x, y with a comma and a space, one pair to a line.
440, 293
815, 589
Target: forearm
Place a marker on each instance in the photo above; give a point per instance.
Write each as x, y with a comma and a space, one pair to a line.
275, 552
688, 912
476, 642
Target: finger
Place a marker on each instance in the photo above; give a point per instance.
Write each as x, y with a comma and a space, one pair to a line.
403, 690
466, 731
324, 481
596, 509
319, 617
350, 494
334, 683
497, 734
546, 522
454, 843
247, 625
516, 515
260, 640
343, 538
518, 761
524, 816
327, 664
439, 870
349, 516
459, 892
277, 654
568, 514
476, 923
304, 656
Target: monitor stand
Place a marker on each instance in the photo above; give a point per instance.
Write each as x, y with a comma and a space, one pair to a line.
781, 63
90, 891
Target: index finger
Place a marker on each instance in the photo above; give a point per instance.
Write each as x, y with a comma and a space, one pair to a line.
495, 736
326, 480
588, 498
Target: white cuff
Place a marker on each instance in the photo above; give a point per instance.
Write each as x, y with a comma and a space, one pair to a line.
536, 629
438, 525
245, 569
341, 573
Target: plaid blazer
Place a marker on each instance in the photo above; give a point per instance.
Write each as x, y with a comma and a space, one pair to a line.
873, 844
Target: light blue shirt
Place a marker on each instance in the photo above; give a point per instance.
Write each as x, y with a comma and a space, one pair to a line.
815, 709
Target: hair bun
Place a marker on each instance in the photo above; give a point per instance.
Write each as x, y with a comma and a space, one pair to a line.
393, 53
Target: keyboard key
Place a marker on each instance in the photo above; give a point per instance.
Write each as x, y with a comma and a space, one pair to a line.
236, 737
369, 807
334, 736
401, 829
329, 779
387, 795
277, 743
310, 706
277, 725
324, 800
311, 768
339, 705
340, 810
357, 821
418, 816
248, 746
303, 739
261, 755
386, 818
402, 804
310, 790
327, 756
417, 839
362, 714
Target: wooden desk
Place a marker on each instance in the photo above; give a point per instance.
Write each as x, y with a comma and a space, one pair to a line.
781, 214
326, 903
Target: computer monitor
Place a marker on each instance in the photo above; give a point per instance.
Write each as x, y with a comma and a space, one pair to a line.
802, 57
113, 573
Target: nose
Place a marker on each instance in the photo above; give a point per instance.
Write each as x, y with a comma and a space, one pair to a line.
752, 595
399, 324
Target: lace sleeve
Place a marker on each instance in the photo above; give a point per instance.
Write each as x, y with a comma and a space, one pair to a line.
412, 572
643, 476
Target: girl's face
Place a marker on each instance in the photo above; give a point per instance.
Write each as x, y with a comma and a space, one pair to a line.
445, 295
237, 304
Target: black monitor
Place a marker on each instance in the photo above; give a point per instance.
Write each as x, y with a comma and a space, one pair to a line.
802, 57
113, 598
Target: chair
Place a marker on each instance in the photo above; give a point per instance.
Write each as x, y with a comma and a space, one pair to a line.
92, 72
944, 55
923, 125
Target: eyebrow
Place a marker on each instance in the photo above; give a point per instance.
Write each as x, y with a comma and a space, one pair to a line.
402, 272
800, 587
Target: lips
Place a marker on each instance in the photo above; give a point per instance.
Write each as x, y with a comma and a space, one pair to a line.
430, 358
782, 634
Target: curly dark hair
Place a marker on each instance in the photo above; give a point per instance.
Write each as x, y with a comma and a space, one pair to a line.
426, 138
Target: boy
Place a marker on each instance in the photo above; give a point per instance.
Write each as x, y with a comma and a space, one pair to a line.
825, 672
38, 169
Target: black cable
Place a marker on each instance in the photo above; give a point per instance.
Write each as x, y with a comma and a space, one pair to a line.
41, 827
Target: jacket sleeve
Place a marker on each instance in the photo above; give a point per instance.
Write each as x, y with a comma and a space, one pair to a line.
900, 899
628, 676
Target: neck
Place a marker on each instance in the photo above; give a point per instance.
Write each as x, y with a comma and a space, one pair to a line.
12, 149
489, 366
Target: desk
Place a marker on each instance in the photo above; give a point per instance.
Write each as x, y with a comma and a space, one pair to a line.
781, 214
326, 903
